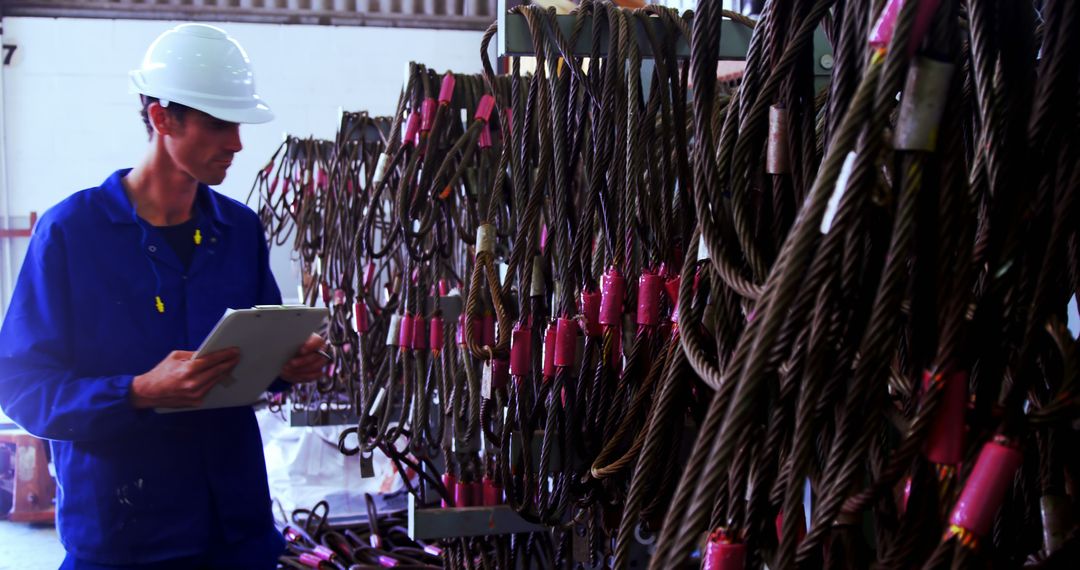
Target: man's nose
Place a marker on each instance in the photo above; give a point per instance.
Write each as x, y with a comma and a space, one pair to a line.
233, 143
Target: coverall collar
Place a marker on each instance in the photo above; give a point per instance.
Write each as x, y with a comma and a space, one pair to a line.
118, 206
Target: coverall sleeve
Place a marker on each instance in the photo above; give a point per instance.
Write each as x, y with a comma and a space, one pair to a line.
39, 388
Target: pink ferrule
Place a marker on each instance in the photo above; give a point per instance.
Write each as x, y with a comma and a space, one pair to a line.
369, 275
985, 487
323, 552
672, 288
521, 351
492, 493
945, 444
405, 335
484, 108
478, 329
269, 169
444, 287
590, 307
566, 342
549, 351
648, 309
446, 93
463, 495
274, 185
800, 530
427, 115
360, 318
339, 297
500, 373
420, 334
450, 482
326, 294
906, 496
476, 332
484, 140
723, 555
882, 32
435, 333
543, 237
412, 128
489, 329
387, 562
612, 289
310, 560
433, 550
322, 179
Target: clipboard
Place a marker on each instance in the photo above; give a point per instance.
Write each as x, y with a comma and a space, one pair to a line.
267, 336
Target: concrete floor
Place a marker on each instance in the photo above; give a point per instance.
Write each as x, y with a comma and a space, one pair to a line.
29, 547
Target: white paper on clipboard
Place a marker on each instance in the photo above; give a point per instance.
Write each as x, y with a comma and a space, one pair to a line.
267, 336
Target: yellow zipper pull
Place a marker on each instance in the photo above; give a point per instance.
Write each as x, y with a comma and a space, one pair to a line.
159, 304
198, 237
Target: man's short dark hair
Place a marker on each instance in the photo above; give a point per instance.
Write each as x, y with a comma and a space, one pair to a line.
177, 110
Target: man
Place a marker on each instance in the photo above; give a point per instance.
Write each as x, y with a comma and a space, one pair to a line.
119, 284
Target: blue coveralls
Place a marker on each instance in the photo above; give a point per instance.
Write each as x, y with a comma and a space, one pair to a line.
135, 486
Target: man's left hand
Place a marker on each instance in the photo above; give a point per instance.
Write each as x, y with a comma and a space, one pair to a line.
308, 363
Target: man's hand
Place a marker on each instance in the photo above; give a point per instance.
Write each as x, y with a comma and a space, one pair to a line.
307, 365
181, 381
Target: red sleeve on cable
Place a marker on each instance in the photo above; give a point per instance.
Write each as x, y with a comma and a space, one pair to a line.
446, 93
945, 444
412, 128
427, 115
612, 289
590, 307
648, 310
985, 487
419, 334
566, 342
435, 335
485, 107
549, 351
405, 335
521, 351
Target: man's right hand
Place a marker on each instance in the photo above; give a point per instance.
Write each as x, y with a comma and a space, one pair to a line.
182, 381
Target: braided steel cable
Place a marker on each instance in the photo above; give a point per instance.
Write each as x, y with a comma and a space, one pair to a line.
841, 297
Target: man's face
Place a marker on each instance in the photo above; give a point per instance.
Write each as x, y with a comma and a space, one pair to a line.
203, 146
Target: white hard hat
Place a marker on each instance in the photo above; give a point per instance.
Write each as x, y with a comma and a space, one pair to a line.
201, 67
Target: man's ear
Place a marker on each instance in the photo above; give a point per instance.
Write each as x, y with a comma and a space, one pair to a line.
164, 122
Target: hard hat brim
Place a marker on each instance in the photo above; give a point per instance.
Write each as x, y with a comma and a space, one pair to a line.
258, 114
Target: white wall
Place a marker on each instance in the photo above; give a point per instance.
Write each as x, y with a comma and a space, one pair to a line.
69, 120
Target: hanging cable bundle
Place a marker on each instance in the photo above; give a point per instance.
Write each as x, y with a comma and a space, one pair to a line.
846, 297
882, 348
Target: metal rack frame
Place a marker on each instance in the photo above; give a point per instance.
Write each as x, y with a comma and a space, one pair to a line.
514, 39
